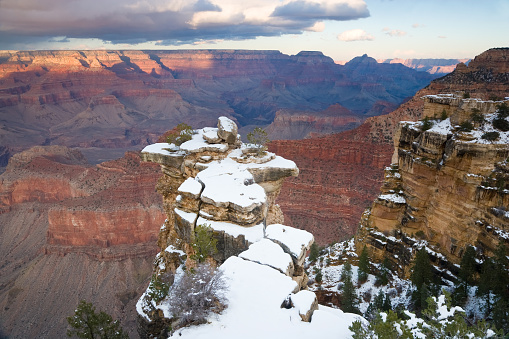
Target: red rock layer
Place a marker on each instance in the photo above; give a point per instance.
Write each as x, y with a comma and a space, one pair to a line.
292, 124
101, 207
339, 177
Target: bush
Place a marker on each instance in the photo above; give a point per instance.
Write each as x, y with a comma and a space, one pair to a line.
180, 134
443, 116
204, 244
426, 124
490, 136
477, 115
87, 324
159, 286
258, 137
501, 124
319, 277
466, 126
466, 95
196, 294
314, 252
503, 110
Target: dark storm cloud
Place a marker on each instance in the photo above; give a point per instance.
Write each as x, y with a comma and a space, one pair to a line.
167, 22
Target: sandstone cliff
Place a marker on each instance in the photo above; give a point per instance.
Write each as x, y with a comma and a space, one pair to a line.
71, 231
215, 180
446, 188
341, 174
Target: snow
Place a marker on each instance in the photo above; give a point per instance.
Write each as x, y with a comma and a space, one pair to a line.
303, 301
268, 253
173, 249
295, 239
442, 127
252, 234
161, 148
228, 182
398, 199
228, 124
191, 186
210, 133
199, 144
189, 217
254, 310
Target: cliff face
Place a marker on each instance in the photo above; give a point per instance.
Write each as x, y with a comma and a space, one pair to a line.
214, 180
120, 99
338, 179
71, 231
432, 66
446, 188
289, 125
343, 172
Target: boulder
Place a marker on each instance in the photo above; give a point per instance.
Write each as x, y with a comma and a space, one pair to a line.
227, 130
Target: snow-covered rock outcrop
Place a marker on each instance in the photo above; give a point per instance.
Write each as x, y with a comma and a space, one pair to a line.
215, 180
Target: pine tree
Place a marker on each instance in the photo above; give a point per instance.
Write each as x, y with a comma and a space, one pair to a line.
465, 276
204, 244
87, 324
486, 284
349, 299
501, 282
422, 278
381, 303
362, 273
382, 278
314, 252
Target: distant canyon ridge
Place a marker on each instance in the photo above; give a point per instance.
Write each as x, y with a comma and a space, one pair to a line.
102, 101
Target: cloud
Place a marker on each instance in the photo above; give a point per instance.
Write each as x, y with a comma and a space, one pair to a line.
355, 35
442, 37
167, 21
394, 32
417, 25
330, 10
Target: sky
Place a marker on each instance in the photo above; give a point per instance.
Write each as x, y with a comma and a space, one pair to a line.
341, 29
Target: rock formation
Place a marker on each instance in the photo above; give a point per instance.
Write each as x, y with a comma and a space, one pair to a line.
291, 124
71, 231
432, 66
215, 180
341, 174
446, 188
119, 99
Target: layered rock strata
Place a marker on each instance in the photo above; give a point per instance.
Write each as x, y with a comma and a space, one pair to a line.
341, 174
446, 188
70, 231
215, 180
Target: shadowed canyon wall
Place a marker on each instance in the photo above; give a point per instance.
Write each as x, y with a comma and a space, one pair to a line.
71, 231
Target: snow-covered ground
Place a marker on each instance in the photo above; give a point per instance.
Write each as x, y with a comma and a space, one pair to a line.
255, 295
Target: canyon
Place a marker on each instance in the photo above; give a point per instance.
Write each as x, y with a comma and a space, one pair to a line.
72, 231
344, 172
90, 231
125, 99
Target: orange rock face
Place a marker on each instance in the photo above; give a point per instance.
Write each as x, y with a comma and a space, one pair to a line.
341, 174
